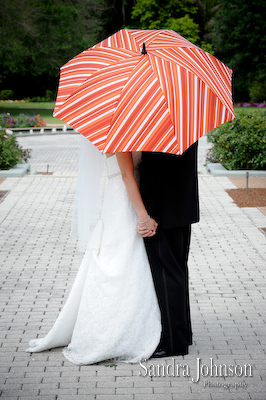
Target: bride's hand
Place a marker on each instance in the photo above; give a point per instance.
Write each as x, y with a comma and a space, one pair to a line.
148, 228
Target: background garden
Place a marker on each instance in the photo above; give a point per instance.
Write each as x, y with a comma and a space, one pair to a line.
39, 36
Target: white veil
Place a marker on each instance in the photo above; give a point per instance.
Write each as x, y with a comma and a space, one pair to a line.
89, 192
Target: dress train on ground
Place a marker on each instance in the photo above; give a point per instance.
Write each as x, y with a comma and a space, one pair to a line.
112, 311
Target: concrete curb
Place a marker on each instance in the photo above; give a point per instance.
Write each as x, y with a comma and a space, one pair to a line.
47, 130
216, 169
18, 171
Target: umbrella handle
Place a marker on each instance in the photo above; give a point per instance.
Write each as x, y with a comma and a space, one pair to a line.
144, 51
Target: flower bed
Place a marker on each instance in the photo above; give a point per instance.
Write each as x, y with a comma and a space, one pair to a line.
23, 120
14, 101
260, 105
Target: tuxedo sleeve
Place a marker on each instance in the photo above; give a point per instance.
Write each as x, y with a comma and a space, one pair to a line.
169, 187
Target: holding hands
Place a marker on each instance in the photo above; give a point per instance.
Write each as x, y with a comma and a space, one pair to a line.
147, 227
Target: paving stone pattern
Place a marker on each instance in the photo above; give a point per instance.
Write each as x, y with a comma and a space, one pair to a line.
60, 152
39, 261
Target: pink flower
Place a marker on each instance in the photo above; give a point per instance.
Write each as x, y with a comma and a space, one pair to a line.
5, 136
9, 132
8, 114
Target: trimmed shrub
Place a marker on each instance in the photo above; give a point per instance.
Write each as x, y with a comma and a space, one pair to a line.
241, 143
36, 99
49, 95
11, 153
257, 91
6, 94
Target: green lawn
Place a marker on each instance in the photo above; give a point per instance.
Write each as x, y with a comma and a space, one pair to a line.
16, 104
44, 109
249, 109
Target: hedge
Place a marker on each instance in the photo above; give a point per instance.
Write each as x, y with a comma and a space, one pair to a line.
11, 153
240, 143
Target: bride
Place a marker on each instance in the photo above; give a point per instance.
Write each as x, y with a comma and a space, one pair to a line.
112, 310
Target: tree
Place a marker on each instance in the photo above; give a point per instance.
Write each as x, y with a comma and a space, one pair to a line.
160, 14
38, 36
239, 38
206, 10
185, 26
181, 16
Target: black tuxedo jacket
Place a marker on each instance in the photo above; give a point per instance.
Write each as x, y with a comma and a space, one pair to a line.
169, 187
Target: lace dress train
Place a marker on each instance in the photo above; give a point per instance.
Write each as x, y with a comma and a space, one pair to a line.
112, 311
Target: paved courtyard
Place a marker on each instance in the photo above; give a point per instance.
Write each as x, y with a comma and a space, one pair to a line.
39, 261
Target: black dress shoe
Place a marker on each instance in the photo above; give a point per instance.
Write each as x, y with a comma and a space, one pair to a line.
159, 353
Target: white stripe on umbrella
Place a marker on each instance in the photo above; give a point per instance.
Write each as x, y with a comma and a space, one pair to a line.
158, 121
152, 115
195, 131
129, 114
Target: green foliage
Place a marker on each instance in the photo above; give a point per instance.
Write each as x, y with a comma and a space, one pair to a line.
181, 16
36, 99
39, 36
241, 143
6, 94
205, 16
49, 96
186, 27
11, 153
21, 121
156, 14
239, 40
207, 47
257, 91
52, 31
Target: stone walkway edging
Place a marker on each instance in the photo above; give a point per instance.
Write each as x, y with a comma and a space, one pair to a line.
47, 130
18, 171
217, 169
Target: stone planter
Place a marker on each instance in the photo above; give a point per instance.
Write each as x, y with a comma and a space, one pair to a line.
217, 169
18, 171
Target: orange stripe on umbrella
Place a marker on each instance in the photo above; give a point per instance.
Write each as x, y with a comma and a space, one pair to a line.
123, 99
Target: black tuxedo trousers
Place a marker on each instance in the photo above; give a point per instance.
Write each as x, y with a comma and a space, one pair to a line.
167, 253
169, 189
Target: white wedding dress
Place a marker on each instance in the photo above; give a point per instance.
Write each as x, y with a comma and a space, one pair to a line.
112, 310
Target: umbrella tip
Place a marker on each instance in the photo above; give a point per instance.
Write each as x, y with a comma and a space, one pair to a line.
144, 51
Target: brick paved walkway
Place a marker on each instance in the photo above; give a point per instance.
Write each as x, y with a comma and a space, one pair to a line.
60, 152
39, 262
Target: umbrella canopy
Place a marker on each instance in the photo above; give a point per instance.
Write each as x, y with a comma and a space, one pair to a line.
144, 90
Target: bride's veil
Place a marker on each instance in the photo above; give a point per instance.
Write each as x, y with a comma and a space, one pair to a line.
89, 192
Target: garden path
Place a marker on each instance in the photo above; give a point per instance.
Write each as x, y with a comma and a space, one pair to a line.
39, 263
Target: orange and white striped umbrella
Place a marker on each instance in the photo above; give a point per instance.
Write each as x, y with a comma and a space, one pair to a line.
144, 90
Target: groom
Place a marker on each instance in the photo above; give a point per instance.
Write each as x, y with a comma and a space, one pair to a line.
169, 188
